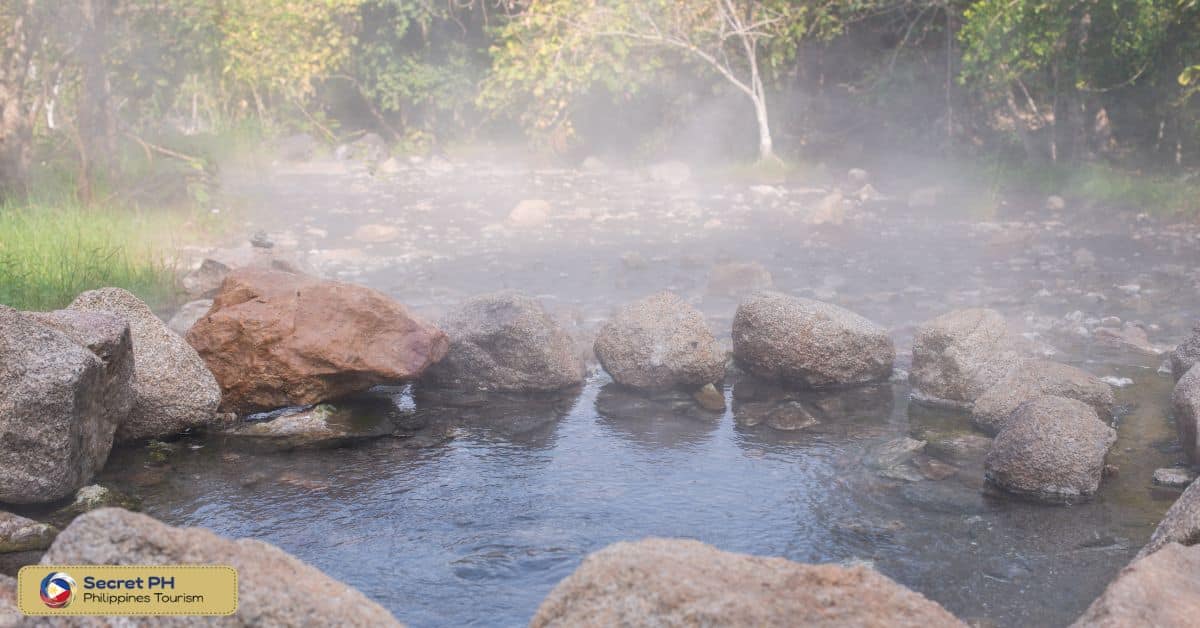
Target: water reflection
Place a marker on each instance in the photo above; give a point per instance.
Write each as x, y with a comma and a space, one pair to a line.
659, 419
528, 420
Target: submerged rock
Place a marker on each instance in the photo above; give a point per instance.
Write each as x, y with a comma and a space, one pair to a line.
111, 536
959, 355
1174, 477
710, 398
321, 426
1034, 378
18, 534
1181, 524
660, 342
1052, 449
174, 390
676, 582
506, 342
275, 339
1185, 406
89, 498
809, 343
1161, 590
65, 380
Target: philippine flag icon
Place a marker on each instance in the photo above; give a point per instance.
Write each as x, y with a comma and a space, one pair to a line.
57, 589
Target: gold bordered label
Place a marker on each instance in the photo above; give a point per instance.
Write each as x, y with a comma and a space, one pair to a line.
127, 590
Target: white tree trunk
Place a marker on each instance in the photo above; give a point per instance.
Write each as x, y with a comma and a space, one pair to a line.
766, 149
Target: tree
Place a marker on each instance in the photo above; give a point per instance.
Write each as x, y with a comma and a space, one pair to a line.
20, 29
560, 48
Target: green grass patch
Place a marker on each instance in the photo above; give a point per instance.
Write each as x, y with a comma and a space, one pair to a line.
49, 253
1105, 186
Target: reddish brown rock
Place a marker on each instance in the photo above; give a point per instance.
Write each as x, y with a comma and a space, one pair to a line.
676, 582
277, 339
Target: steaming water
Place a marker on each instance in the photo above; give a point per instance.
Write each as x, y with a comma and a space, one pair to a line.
478, 507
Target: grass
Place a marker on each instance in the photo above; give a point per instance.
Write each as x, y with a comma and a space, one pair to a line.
1105, 187
49, 253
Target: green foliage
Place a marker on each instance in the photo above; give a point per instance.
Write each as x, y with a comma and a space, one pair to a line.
51, 253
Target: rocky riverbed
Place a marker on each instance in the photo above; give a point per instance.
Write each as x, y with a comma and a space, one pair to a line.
450, 506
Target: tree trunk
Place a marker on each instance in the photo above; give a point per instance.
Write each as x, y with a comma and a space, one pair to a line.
766, 148
97, 130
16, 134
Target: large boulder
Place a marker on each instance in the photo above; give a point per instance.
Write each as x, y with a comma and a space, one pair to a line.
1186, 354
65, 383
1034, 378
1160, 590
276, 339
1052, 449
677, 582
174, 391
809, 343
1181, 524
658, 343
111, 536
506, 342
959, 355
1185, 405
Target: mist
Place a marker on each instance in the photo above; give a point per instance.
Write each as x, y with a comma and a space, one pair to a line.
714, 312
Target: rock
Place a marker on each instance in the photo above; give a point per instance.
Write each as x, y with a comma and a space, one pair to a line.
260, 240
858, 176
790, 417
957, 447
1052, 449
18, 534
1034, 378
1185, 406
174, 390
809, 343
530, 213
10, 613
676, 582
187, 316
66, 379
1055, 203
733, 279
391, 165
111, 536
894, 452
670, 172
710, 398
507, 342
89, 498
205, 281
1186, 354
1181, 524
959, 355
1130, 337
830, 211
1161, 590
1174, 477
275, 339
319, 427
376, 234
660, 342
